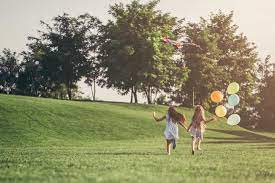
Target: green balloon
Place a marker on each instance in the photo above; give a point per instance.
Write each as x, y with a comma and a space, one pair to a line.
233, 88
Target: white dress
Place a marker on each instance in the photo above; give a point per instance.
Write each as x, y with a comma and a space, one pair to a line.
171, 130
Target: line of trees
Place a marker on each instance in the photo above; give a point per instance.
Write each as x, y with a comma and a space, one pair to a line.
128, 55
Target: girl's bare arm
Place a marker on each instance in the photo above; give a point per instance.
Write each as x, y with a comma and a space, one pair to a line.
182, 122
188, 129
158, 119
209, 120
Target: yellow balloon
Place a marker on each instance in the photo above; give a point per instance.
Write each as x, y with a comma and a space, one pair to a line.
233, 88
220, 111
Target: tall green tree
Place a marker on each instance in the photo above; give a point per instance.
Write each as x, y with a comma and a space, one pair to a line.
95, 71
39, 74
266, 86
92, 77
70, 41
133, 54
267, 105
225, 56
9, 70
265, 72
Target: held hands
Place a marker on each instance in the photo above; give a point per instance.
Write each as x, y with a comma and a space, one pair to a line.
154, 116
211, 119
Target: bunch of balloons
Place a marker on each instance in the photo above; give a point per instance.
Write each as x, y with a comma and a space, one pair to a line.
233, 100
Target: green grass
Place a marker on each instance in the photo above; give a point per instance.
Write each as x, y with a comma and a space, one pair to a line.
46, 140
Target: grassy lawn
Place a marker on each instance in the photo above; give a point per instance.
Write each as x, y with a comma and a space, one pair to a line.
46, 140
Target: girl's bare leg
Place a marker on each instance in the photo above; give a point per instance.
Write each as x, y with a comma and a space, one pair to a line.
193, 145
199, 144
168, 149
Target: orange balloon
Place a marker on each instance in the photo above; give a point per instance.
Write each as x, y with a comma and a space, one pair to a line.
216, 96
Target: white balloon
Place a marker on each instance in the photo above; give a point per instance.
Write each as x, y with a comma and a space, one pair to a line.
233, 119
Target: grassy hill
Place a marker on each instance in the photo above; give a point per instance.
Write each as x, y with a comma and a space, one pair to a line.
47, 140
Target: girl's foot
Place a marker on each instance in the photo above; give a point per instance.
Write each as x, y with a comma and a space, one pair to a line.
198, 148
193, 152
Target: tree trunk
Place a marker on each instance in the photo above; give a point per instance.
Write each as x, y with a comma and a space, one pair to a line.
156, 95
149, 99
135, 95
94, 90
131, 101
193, 97
148, 95
69, 90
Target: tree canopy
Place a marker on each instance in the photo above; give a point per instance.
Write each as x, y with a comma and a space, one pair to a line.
225, 56
67, 45
133, 54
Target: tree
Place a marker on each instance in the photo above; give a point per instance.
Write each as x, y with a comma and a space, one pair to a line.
91, 80
225, 56
266, 85
40, 71
9, 69
133, 55
29, 79
267, 105
95, 70
70, 42
264, 73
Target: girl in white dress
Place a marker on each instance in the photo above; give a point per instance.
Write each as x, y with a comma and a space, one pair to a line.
171, 133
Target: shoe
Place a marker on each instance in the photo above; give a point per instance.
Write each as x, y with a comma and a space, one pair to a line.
174, 144
193, 152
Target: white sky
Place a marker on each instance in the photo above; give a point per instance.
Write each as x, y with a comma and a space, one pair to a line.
20, 18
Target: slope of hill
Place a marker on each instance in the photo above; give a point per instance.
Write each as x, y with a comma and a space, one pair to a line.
31, 121
47, 140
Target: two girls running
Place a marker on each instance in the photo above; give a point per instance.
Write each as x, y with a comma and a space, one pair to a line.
196, 128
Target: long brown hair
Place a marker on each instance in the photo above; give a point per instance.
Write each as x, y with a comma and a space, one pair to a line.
176, 116
198, 114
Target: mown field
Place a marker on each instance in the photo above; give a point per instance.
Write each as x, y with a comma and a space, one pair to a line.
46, 140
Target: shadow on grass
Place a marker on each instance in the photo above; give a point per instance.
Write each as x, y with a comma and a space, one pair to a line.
241, 137
265, 146
127, 153
270, 129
